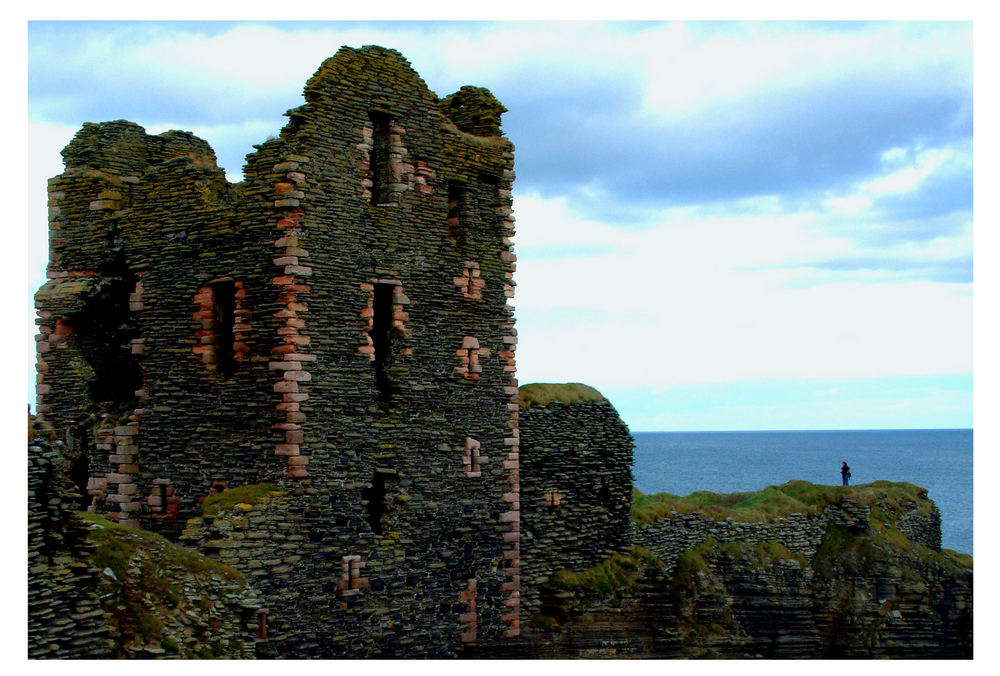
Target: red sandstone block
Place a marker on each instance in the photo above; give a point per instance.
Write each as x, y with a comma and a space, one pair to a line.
295, 396
511, 516
468, 637
295, 416
293, 437
298, 270
284, 366
303, 376
283, 280
298, 356
285, 386
287, 406
470, 342
286, 449
298, 472
283, 427
295, 323
298, 461
512, 536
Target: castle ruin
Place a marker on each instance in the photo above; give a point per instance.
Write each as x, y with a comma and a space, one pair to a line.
335, 325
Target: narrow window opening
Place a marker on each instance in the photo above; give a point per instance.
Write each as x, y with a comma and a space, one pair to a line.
604, 494
224, 308
378, 160
382, 339
456, 216
376, 497
79, 470
104, 330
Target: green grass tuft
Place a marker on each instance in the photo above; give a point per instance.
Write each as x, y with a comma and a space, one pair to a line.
542, 394
228, 499
886, 499
620, 570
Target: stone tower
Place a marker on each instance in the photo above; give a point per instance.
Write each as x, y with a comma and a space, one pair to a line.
336, 325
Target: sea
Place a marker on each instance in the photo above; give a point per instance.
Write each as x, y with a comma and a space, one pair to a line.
727, 462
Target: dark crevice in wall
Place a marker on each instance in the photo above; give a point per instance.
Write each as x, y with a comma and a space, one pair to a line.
382, 338
379, 160
224, 307
103, 330
376, 497
79, 468
456, 213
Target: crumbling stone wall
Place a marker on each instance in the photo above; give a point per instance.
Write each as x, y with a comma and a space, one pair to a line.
336, 324
800, 533
65, 619
576, 489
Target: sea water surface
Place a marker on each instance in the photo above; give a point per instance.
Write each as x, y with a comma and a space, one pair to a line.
726, 462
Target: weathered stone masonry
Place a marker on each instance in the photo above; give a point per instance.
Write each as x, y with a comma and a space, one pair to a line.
576, 489
301, 328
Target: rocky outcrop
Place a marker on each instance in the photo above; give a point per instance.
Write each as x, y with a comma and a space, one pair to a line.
99, 589
731, 589
65, 619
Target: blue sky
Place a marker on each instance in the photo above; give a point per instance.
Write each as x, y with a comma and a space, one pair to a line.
723, 225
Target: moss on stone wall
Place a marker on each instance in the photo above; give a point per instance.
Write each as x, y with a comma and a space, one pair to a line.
165, 600
543, 394
241, 495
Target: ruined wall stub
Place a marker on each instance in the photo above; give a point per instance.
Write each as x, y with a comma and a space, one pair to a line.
335, 324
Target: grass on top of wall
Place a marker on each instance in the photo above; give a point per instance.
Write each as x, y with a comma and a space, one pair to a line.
542, 394
229, 498
796, 496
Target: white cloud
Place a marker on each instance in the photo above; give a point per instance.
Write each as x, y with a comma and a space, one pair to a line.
688, 302
905, 179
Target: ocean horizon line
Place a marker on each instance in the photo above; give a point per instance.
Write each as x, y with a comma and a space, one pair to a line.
845, 429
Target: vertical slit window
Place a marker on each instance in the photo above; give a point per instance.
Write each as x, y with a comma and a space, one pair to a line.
224, 309
382, 339
376, 498
378, 161
456, 215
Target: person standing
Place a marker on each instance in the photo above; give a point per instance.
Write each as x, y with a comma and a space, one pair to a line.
845, 473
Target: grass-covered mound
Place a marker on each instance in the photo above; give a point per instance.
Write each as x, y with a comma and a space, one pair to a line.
165, 599
542, 394
568, 593
774, 502
622, 569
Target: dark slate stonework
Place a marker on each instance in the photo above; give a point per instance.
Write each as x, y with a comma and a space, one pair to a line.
65, 619
336, 324
576, 489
